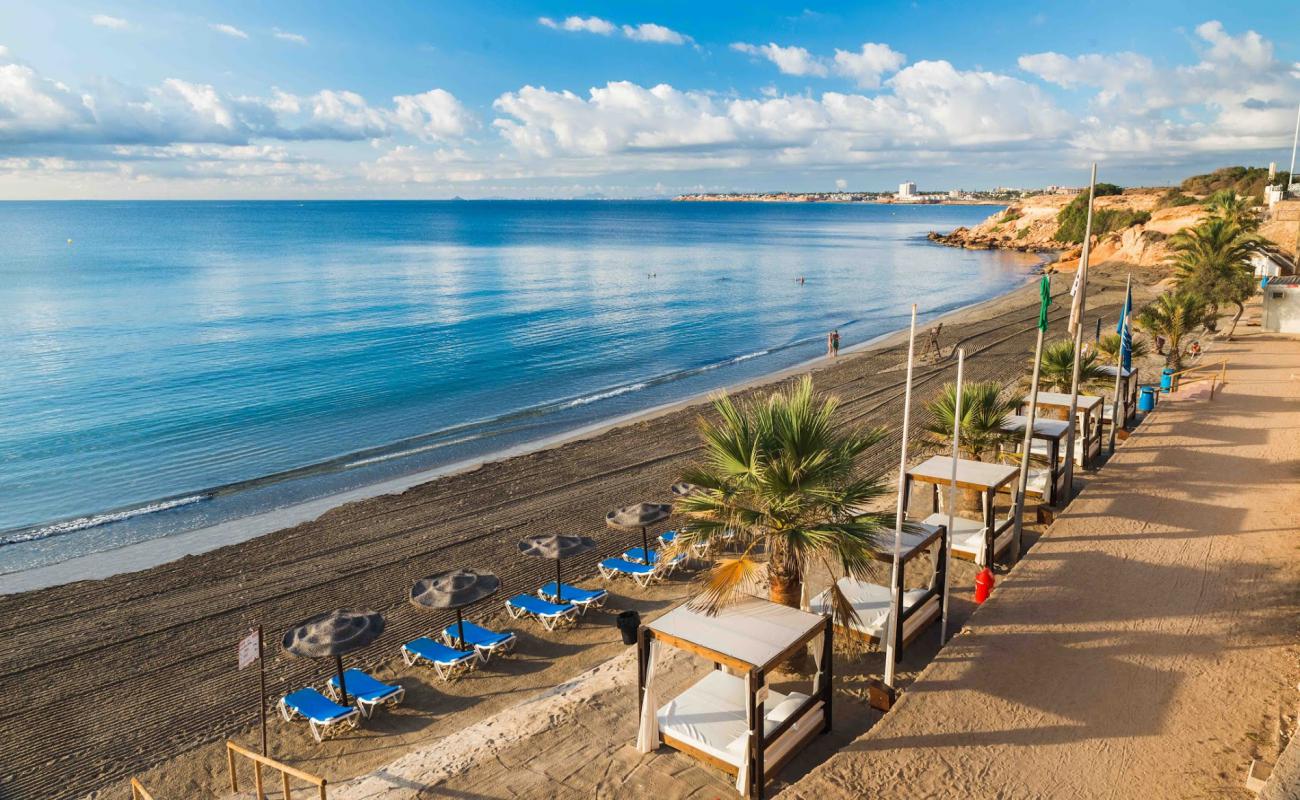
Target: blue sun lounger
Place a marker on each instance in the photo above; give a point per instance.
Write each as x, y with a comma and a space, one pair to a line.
449, 663
367, 692
484, 641
551, 615
584, 599
612, 568
322, 714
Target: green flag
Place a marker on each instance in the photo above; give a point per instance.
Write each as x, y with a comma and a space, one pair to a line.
1045, 292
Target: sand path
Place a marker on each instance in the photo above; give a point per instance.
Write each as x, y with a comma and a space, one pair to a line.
1147, 646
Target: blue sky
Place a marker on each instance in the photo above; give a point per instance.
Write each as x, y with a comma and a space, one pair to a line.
545, 99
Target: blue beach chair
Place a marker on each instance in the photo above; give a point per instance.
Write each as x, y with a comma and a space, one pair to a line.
323, 715
367, 692
484, 641
551, 615
612, 568
584, 599
449, 663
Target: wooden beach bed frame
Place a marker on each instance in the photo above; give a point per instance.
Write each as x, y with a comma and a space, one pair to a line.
988, 480
1129, 381
748, 639
1087, 443
1046, 483
920, 606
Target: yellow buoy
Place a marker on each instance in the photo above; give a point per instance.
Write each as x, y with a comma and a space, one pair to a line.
69, 241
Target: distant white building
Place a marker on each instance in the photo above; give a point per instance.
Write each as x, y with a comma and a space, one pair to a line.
906, 190
954, 194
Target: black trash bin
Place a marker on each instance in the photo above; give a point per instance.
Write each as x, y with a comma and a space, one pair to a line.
628, 623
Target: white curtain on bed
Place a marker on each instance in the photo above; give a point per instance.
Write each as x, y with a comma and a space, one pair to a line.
647, 736
818, 646
982, 554
742, 778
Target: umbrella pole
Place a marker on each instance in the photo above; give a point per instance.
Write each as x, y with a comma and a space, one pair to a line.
343, 687
645, 547
558, 598
460, 627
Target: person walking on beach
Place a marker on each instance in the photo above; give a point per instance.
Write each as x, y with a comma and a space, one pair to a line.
835, 343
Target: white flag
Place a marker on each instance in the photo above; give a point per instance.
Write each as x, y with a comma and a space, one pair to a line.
250, 648
1076, 294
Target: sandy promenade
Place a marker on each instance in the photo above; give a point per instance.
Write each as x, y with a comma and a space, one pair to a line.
128, 645
1147, 646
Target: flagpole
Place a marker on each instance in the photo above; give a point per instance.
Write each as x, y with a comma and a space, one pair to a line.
895, 591
952, 498
1045, 297
1076, 323
261, 669
1117, 418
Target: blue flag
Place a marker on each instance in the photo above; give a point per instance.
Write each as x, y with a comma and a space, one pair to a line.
1125, 331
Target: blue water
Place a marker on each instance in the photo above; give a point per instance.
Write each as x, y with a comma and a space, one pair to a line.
167, 366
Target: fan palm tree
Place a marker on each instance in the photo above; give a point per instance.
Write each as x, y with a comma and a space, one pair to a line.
1212, 260
1231, 207
1056, 369
1173, 315
780, 477
1108, 348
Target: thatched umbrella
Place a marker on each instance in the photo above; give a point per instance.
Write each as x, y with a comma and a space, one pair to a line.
641, 515
556, 546
456, 589
333, 634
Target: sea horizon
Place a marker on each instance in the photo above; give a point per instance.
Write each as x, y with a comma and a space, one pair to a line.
583, 375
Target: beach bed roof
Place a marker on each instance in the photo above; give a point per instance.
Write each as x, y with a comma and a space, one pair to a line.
751, 633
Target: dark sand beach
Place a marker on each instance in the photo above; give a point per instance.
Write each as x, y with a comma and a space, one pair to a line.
129, 672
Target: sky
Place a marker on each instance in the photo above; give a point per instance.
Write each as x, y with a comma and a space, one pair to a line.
576, 98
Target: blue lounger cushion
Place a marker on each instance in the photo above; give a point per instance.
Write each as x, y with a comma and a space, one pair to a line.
539, 607
627, 567
638, 554
363, 687
668, 537
316, 707
477, 636
437, 652
572, 594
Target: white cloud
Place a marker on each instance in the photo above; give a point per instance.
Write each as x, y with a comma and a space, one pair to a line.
229, 30
869, 64
105, 21
581, 24
1249, 49
286, 36
650, 32
1109, 72
435, 115
789, 60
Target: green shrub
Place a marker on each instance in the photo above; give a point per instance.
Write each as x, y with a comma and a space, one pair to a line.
1104, 189
1247, 181
1175, 199
1072, 220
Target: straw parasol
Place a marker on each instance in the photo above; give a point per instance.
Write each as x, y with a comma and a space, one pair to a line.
456, 589
556, 546
333, 634
641, 515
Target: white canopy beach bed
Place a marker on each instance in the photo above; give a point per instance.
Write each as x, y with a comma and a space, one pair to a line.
872, 602
1128, 395
1087, 439
973, 540
717, 720
1045, 482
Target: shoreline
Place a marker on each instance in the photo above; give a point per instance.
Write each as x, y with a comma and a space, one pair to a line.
144, 555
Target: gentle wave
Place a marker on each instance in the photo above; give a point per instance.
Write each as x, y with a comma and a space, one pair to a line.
95, 520
605, 395
361, 462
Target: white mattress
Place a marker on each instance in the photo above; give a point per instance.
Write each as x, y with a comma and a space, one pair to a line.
968, 535
710, 716
1039, 481
1041, 448
871, 602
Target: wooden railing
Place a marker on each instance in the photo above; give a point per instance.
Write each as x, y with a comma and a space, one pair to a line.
1215, 372
259, 761
138, 792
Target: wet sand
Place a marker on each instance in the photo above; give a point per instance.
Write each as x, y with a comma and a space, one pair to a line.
137, 669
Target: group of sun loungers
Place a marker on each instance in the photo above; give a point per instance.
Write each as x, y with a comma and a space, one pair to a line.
553, 607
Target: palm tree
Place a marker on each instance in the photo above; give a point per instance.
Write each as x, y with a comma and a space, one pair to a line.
1173, 315
1108, 349
1212, 261
983, 410
1056, 370
780, 477
1231, 207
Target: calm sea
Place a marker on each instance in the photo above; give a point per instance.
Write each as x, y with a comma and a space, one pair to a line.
168, 366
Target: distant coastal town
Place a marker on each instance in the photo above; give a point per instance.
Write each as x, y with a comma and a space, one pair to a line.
907, 193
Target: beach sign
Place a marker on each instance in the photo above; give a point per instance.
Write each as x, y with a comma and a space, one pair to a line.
250, 649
